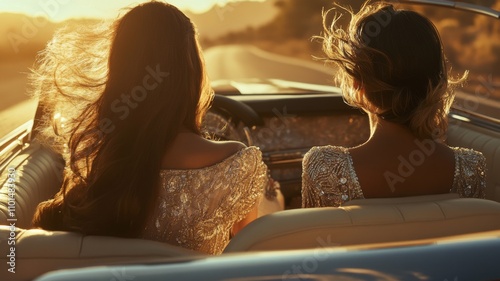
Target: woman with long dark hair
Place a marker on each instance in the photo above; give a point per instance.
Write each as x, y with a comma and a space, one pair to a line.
126, 104
391, 65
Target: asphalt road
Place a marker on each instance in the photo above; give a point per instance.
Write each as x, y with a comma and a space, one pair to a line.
223, 62
244, 61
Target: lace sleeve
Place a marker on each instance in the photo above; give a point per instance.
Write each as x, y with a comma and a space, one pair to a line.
480, 188
197, 208
470, 173
253, 179
328, 177
310, 194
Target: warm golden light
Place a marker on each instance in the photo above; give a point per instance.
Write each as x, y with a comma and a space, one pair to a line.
59, 10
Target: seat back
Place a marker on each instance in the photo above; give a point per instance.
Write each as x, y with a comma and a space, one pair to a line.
369, 221
488, 142
37, 173
39, 251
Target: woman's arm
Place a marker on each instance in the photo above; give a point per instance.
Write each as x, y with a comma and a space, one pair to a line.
248, 219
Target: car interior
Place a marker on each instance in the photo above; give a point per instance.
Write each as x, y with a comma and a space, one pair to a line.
282, 128
442, 232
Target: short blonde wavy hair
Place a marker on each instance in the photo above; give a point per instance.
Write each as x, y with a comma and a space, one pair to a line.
391, 64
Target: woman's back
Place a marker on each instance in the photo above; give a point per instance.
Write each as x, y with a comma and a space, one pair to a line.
133, 99
206, 188
191, 151
330, 177
397, 74
396, 163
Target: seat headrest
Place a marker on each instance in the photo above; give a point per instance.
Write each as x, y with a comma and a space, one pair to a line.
369, 221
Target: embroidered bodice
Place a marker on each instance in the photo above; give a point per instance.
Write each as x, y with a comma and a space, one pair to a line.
197, 208
329, 178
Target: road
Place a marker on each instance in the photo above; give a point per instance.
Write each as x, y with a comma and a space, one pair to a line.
223, 62
244, 61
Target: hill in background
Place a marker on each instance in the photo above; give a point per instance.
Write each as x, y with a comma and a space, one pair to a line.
284, 27
232, 17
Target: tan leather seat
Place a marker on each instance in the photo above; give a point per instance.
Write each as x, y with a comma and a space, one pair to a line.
38, 251
38, 176
369, 221
488, 142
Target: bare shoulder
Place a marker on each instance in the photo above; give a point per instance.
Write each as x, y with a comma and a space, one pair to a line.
210, 152
230, 147
190, 151
223, 148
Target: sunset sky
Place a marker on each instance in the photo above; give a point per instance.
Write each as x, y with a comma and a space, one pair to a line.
58, 10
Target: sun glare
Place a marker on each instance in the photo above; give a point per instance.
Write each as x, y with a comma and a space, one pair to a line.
60, 10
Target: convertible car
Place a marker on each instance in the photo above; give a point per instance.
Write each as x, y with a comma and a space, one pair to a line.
436, 237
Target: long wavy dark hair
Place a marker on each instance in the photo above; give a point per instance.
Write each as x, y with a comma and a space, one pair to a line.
114, 121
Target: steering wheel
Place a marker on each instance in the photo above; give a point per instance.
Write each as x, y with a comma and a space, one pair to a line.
237, 110
225, 116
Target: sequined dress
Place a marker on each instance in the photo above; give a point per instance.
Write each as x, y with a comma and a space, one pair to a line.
329, 178
197, 208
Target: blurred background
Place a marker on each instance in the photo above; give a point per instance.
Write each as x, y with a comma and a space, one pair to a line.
280, 27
